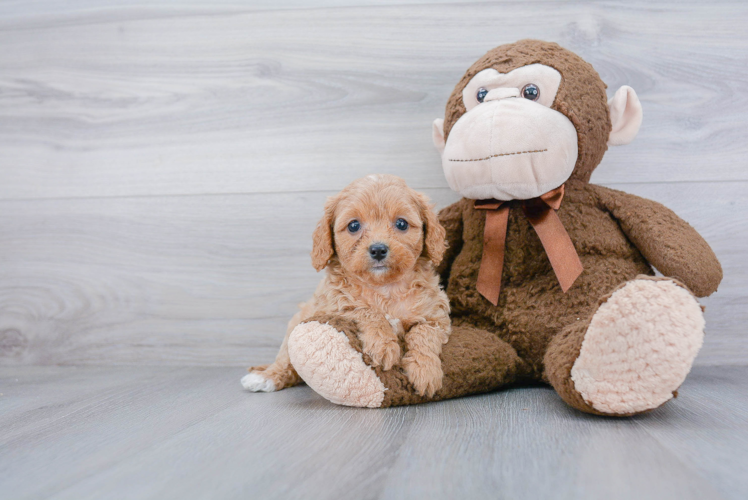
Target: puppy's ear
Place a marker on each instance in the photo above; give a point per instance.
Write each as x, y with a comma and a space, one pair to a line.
322, 240
434, 243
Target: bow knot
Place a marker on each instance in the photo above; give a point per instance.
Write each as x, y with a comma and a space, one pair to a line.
541, 213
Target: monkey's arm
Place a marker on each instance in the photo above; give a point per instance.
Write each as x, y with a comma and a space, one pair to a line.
668, 242
450, 218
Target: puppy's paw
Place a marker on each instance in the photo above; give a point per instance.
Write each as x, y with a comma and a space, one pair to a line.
256, 382
384, 352
424, 372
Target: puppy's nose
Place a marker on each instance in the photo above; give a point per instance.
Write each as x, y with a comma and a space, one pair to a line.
378, 251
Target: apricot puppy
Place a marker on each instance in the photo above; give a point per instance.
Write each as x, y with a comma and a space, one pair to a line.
379, 241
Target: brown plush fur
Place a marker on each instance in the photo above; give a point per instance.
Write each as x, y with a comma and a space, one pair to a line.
536, 331
401, 300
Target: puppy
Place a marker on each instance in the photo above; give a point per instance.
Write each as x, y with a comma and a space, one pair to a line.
379, 241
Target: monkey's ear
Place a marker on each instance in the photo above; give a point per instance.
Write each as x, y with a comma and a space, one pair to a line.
322, 238
625, 116
434, 242
438, 135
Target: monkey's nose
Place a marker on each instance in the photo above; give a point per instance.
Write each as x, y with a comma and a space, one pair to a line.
378, 251
501, 93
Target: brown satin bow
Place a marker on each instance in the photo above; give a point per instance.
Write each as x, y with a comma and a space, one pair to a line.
541, 212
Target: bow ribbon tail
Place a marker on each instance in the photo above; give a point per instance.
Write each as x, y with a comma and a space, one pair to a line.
558, 246
492, 261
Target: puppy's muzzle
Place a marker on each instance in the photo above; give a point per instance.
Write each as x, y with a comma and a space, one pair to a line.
378, 251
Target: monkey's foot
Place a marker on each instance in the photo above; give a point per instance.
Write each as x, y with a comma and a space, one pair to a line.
324, 359
639, 347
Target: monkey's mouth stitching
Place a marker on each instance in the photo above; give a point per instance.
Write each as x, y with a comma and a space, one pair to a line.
506, 154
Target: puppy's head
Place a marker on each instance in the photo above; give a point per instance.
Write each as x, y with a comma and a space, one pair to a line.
378, 228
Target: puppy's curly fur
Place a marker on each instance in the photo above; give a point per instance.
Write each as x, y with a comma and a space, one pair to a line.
390, 298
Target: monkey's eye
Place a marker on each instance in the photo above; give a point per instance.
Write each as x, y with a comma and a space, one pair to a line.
354, 226
481, 94
531, 91
401, 224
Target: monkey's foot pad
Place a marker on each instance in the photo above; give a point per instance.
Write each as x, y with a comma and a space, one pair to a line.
639, 347
325, 360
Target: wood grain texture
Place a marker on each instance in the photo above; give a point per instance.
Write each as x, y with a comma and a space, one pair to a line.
155, 432
43, 10
162, 165
133, 101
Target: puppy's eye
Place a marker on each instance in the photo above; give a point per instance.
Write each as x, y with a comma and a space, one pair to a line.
481, 94
354, 226
531, 91
401, 224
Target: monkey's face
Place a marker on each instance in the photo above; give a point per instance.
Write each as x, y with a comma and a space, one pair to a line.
509, 144
526, 118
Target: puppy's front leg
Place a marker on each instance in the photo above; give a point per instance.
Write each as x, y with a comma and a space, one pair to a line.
378, 337
278, 375
421, 363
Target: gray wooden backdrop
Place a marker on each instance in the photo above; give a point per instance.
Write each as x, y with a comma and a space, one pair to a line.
162, 165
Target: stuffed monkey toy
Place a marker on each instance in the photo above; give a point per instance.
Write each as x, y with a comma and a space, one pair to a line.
550, 278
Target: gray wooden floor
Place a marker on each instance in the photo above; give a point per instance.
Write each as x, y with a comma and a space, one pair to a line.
162, 165
163, 433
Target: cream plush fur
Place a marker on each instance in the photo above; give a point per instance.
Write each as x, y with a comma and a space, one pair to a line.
335, 370
507, 147
639, 347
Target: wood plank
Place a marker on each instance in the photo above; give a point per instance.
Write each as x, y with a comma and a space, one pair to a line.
701, 430
40, 399
62, 9
212, 280
192, 433
90, 452
526, 443
153, 100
